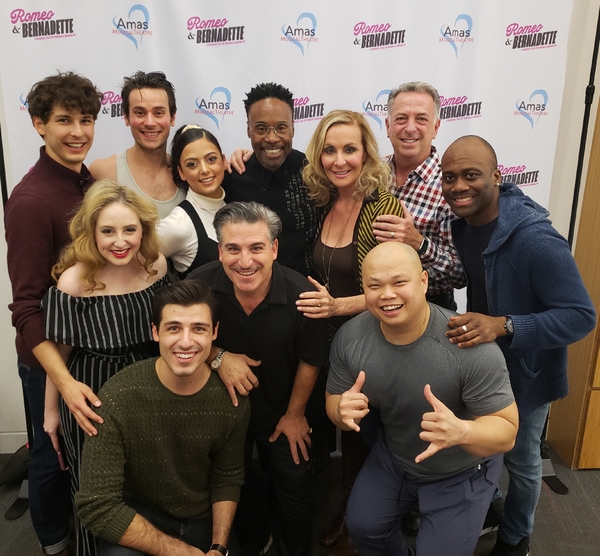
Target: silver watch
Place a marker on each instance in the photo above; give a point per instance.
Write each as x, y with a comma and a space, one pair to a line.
215, 364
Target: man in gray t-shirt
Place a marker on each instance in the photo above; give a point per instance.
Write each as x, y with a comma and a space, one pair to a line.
432, 396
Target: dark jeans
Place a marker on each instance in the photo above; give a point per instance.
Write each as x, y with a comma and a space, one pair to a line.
453, 508
290, 482
49, 498
195, 532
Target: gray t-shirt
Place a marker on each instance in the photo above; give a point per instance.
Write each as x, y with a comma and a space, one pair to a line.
470, 382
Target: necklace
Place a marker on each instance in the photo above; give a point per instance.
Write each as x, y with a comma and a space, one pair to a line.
421, 331
327, 269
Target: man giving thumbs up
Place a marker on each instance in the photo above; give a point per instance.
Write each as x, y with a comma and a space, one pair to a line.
446, 414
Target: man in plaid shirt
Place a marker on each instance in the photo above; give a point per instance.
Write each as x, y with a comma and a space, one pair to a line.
412, 124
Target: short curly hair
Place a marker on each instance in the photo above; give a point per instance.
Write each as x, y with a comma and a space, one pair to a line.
68, 90
268, 90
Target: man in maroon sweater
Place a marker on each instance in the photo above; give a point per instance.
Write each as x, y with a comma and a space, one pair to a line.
63, 111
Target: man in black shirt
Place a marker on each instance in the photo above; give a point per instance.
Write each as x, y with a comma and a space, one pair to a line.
258, 319
272, 175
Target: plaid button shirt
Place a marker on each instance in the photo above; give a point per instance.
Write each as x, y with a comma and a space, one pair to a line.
422, 195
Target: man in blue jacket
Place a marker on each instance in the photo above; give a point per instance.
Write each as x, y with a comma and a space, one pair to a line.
525, 292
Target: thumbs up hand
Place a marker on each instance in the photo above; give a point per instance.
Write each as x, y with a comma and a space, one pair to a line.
441, 428
354, 405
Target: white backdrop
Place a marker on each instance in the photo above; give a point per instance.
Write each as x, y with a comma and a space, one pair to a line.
499, 66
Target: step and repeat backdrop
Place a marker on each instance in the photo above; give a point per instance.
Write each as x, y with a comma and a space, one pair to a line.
499, 66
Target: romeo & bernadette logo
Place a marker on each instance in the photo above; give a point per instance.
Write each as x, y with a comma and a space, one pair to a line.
112, 104
305, 110
378, 36
518, 175
214, 32
459, 108
40, 25
529, 37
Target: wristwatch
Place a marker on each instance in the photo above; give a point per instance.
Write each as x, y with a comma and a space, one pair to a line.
508, 327
215, 364
423, 247
219, 547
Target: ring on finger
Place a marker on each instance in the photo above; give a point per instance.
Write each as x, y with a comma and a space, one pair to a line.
392, 235
319, 305
464, 327
310, 431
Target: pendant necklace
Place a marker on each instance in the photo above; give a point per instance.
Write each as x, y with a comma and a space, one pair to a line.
327, 269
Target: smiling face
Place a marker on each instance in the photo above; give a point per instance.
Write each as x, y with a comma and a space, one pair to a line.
118, 234
247, 255
343, 155
470, 180
184, 336
395, 285
149, 118
202, 166
272, 149
68, 135
412, 125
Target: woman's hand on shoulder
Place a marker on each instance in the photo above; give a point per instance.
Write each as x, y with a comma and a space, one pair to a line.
70, 281
316, 304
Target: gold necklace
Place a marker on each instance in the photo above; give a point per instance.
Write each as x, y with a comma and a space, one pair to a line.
328, 269
421, 332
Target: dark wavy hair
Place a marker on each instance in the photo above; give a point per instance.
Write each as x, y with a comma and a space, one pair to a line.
185, 293
185, 135
151, 80
268, 90
69, 90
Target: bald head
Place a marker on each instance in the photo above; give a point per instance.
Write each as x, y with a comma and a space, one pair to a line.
471, 180
391, 253
395, 285
473, 142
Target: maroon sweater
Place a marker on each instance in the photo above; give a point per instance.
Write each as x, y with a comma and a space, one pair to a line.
36, 221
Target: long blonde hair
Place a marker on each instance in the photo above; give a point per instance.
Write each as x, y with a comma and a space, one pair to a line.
375, 173
82, 229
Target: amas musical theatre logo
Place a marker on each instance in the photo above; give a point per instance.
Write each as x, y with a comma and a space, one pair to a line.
214, 32
23, 104
378, 36
377, 110
459, 108
458, 34
40, 25
306, 111
519, 175
216, 106
302, 33
529, 37
112, 104
534, 108
135, 26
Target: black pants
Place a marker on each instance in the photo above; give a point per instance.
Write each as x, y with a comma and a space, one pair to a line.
291, 485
